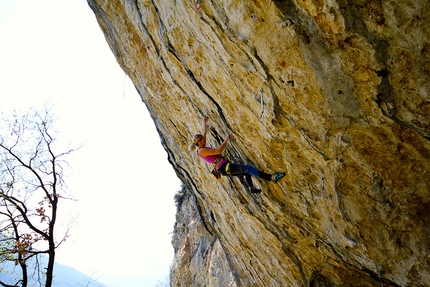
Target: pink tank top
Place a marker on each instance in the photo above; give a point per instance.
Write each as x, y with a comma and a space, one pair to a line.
211, 159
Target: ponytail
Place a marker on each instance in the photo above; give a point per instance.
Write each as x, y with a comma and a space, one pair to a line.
192, 147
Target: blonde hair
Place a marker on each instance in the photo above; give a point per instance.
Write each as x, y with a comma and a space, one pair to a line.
196, 139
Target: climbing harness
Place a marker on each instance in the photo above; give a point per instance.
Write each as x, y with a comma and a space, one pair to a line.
216, 174
197, 5
215, 171
216, 162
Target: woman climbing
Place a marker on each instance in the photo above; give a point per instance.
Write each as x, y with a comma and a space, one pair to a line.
223, 166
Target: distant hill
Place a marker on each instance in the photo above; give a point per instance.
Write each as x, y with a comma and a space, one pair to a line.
64, 276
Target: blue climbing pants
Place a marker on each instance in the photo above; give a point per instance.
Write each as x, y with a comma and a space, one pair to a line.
246, 170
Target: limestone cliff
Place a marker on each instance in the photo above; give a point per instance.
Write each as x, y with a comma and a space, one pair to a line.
335, 93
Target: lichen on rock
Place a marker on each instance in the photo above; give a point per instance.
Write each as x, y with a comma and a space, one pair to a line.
335, 93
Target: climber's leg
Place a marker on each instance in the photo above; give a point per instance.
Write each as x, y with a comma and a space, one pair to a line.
238, 170
242, 169
248, 171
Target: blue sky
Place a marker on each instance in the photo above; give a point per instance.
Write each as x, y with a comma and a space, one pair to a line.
53, 50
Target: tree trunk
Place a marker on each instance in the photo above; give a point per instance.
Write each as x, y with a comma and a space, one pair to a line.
50, 266
24, 270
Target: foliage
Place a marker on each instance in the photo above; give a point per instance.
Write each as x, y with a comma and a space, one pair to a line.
31, 185
163, 283
180, 196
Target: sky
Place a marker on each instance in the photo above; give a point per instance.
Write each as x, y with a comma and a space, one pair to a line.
54, 51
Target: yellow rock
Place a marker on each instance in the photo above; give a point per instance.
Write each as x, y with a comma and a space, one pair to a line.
335, 93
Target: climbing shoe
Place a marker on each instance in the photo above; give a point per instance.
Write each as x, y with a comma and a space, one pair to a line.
278, 176
254, 190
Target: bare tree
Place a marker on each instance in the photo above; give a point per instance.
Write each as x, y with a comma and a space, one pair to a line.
31, 185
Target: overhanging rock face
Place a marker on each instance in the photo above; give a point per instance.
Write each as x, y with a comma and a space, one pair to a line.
335, 93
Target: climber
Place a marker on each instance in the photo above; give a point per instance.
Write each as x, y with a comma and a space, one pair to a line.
223, 167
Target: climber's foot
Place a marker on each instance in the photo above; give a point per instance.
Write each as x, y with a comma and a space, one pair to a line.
254, 190
278, 176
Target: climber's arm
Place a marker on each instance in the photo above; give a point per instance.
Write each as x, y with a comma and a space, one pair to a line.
204, 130
216, 151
